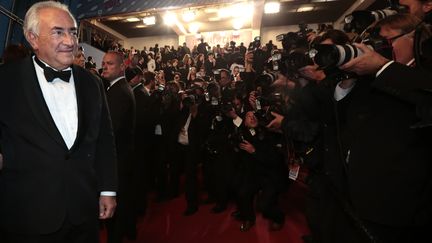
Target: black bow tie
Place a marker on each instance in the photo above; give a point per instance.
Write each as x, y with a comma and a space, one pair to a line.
51, 74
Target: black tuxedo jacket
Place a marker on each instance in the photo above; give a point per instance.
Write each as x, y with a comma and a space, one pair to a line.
43, 181
121, 103
389, 165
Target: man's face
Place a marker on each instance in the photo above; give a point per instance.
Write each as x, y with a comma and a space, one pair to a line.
57, 38
112, 67
79, 59
416, 7
403, 46
251, 120
224, 79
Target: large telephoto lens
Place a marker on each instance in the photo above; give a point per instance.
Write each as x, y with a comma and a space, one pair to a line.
330, 56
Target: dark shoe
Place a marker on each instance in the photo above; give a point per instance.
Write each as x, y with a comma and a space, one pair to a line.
275, 226
246, 225
190, 210
218, 208
236, 215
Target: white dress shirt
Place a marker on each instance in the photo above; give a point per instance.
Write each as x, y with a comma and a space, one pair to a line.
60, 98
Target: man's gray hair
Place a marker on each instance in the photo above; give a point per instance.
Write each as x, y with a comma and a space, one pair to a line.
31, 20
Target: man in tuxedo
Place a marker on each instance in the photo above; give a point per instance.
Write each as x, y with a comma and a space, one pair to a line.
56, 139
121, 103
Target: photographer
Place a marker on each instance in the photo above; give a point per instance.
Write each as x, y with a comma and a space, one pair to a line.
312, 126
387, 157
260, 167
390, 73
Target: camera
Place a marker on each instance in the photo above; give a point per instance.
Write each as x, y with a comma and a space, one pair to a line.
330, 56
272, 103
359, 21
294, 40
255, 44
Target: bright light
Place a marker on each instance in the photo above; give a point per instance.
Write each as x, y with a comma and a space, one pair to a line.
212, 19
194, 27
272, 7
237, 24
141, 26
198, 36
170, 18
225, 12
151, 20
222, 34
133, 19
305, 9
210, 10
235, 33
188, 16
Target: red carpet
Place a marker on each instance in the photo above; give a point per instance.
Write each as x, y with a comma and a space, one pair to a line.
164, 223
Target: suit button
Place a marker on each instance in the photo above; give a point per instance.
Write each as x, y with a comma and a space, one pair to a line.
67, 156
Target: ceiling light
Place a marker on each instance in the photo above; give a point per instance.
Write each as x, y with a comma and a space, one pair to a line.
151, 20
224, 13
237, 24
188, 16
140, 26
305, 9
170, 18
194, 27
133, 19
272, 7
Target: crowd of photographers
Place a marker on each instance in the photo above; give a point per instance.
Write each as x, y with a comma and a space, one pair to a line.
355, 111
352, 110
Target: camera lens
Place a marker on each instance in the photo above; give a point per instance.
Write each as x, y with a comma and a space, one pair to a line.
330, 56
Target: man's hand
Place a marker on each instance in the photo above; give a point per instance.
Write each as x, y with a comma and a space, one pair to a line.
231, 114
368, 63
107, 205
276, 123
246, 146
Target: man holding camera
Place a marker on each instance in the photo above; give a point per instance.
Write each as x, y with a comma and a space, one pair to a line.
390, 73
387, 157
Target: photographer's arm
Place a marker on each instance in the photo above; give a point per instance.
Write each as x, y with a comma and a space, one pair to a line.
403, 77
389, 73
368, 63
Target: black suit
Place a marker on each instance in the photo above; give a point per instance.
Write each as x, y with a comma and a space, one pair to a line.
42, 181
389, 163
121, 104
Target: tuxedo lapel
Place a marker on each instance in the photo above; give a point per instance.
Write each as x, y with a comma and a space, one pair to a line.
79, 91
36, 101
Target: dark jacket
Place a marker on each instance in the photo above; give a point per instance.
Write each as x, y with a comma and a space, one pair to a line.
42, 180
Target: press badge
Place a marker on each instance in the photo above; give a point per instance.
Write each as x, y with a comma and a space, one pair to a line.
294, 169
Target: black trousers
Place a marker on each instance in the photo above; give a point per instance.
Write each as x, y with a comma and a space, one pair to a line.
186, 161
87, 232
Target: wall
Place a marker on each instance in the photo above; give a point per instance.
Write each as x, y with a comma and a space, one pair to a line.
139, 43
94, 52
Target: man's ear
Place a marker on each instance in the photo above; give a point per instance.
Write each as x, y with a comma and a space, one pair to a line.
32, 39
